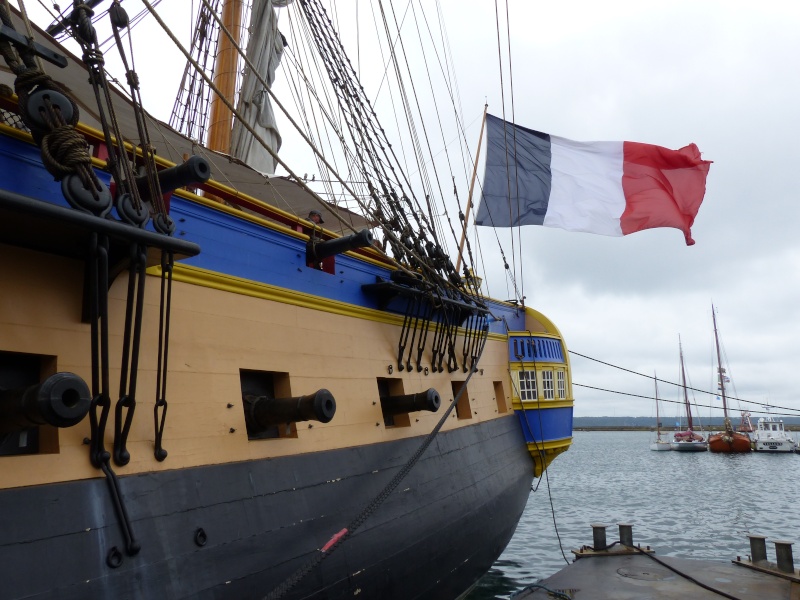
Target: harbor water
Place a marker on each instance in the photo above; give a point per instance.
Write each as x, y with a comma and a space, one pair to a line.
691, 505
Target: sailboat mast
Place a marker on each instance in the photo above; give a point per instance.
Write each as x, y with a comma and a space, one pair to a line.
225, 72
469, 196
685, 393
658, 421
719, 365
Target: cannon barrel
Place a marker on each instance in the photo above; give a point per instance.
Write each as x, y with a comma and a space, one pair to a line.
194, 170
428, 400
328, 248
264, 412
61, 400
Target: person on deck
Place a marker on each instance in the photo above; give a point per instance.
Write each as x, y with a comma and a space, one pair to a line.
315, 217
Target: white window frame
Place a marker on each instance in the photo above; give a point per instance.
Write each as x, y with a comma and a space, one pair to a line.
526, 383
548, 387
561, 382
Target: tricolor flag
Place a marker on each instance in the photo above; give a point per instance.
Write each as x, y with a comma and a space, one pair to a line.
610, 188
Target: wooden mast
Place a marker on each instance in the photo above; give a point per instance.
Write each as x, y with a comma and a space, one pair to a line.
728, 440
225, 73
471, 188
719, 369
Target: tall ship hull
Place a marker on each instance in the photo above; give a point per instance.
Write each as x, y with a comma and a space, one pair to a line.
330, 427
238, 530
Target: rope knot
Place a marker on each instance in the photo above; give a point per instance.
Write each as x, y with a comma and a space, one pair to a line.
65, 151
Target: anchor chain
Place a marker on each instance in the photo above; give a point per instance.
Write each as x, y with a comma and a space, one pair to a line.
126, 405
101, 402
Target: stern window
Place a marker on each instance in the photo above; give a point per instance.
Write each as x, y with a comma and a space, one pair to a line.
547, 385
527, 385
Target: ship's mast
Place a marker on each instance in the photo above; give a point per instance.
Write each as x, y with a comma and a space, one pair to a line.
225, 73
719, 367
658, 421
685, 393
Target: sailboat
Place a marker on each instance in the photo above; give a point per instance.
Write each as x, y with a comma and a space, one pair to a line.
206, 393
687, 440
728, 440
659, 444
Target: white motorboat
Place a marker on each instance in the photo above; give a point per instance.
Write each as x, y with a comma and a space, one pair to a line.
770, 436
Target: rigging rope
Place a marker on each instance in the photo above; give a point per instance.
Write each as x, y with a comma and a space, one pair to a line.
505, 144
516, 163
650, 377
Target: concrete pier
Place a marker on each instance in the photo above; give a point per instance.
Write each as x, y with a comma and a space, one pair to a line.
627, 572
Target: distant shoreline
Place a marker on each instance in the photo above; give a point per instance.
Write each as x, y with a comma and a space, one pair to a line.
663, 429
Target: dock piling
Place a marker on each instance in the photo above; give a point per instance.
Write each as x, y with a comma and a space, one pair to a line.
626, 534
783, 551
758, 548
599, 536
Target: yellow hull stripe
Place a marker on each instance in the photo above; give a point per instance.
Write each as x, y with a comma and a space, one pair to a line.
247, 287
541, 405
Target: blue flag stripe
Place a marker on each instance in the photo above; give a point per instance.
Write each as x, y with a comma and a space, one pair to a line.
517, 159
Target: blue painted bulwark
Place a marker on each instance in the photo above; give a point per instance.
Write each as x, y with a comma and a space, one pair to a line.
546, 424
529, 348
235, 246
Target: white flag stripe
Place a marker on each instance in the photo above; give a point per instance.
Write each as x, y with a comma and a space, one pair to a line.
586, 193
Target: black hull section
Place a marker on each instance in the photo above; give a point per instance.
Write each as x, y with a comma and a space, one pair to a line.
434, 536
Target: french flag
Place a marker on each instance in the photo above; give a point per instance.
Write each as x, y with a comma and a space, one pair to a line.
610, 188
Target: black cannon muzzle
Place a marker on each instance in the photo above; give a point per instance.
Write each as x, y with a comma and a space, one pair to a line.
262, 412
195, 170
319, 250
61, 400
428, 400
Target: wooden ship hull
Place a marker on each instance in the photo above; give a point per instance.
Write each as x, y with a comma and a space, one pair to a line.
296, 423
729, 441
236, 530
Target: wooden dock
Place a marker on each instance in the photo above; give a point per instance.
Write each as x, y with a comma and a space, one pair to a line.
623, 572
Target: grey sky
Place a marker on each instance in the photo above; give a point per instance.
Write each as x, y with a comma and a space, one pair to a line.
723, 75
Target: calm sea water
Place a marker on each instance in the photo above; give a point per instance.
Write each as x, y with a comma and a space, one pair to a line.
693, 505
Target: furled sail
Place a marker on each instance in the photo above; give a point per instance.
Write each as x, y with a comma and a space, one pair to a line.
264, 50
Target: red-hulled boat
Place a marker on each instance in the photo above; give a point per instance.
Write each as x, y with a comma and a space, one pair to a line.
728, 440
